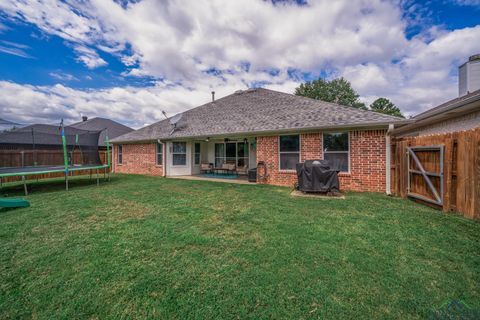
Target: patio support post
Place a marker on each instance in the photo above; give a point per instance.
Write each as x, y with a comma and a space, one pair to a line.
388, 161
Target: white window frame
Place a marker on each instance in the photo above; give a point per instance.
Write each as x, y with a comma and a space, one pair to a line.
158, 147
286, 152
120, 154
174, 153
195, 153
348, 152
246, 159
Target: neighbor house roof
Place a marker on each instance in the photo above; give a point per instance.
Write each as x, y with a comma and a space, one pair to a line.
51, 133
259, 111
40, 134
110, 127
450, 109
7, 122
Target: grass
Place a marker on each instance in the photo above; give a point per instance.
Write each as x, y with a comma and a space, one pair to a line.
144, 247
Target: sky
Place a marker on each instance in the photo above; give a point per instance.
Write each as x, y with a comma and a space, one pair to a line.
131, 60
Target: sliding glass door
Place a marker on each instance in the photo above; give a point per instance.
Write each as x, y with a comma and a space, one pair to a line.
219, 154
231, 152
242, 154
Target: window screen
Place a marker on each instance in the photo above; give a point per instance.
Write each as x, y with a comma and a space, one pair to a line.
336, 150
289, 148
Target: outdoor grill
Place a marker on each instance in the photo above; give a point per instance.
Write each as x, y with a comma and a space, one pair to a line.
317, 176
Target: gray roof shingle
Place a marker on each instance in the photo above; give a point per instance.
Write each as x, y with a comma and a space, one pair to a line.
50, 134
113, 128
256, 111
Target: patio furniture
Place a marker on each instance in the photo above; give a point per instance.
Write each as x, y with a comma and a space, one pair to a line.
206, 167
227, 168
242, 170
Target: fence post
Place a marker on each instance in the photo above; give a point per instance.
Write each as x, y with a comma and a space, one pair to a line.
476, 204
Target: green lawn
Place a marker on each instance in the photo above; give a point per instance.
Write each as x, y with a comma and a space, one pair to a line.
143, 247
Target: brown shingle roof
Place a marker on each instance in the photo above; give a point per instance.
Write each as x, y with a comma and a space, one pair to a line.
259, 110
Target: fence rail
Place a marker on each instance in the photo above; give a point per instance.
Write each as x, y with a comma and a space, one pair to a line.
458, 166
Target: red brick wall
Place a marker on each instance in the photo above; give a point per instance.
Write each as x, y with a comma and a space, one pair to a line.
367, 159
138, 159
367, 162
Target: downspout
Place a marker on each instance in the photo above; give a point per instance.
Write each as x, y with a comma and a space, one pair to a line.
164, 158
388, 160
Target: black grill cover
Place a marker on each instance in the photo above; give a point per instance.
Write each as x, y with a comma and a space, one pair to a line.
316, 176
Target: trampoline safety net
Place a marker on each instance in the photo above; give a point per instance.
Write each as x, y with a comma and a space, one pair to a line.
42, 147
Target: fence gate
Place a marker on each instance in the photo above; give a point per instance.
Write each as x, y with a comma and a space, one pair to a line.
425, 173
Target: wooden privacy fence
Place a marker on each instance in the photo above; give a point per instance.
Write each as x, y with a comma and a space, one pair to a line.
15, 159
440, 170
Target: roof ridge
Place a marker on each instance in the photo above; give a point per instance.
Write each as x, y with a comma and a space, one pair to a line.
330, 103
259, 110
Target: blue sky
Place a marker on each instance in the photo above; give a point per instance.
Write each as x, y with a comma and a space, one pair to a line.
131, 60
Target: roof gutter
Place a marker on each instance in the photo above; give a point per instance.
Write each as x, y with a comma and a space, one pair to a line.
367, 126
455, 105
427, 117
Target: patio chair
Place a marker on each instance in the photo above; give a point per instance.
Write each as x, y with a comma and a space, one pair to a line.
206, 167
229, 167
242, 170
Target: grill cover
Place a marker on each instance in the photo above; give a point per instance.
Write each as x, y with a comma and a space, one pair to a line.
316, 176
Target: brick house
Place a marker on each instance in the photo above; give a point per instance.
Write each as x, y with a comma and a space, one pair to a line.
260, 125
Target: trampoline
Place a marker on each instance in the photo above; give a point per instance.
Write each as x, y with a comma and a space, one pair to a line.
44, 149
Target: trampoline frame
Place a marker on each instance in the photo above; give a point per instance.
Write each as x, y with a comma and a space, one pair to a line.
66, 168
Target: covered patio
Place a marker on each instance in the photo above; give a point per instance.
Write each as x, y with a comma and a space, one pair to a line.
221, 158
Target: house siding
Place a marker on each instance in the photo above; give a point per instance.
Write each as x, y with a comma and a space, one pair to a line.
138, 159
461, 123
367, 159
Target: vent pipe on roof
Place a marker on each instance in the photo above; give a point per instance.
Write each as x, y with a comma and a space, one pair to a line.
84, 118
213, 96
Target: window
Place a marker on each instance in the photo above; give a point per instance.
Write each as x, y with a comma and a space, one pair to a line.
159, 154
120, 154
242, 154
197, 153
179, 153
289, 147
231, 152
336, 150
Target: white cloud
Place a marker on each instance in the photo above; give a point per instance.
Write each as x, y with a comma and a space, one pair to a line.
425, 77
89, 57
467, 2
130, 105
13, 48
179, 41
15, 52
62, 76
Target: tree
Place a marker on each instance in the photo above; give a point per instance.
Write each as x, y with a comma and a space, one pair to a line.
337, 91
383, 105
